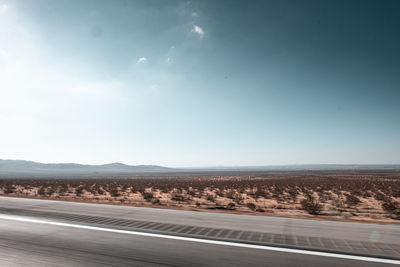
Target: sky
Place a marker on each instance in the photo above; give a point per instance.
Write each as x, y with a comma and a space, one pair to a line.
200, 83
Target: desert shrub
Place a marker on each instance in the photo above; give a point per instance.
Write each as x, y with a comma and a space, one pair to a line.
156, 201
308, 194
41, 191
239, 198
210, 197
230, 194
231, 206
62, 190
178, 196
79, 191
219, 193
396, 192
251, 206
51, 190
379, 196
392, 207
352, 200
323, 198
367, 194
114, 192
259, 193
148, 195
337, 202
125, 187
9, 189
100, 191
192, 192
293, 192
165, 190
282, 186
311, 205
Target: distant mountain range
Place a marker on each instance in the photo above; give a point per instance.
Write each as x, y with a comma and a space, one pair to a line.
23, 168
306, 167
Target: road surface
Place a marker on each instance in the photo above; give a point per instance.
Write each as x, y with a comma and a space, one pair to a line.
57, 233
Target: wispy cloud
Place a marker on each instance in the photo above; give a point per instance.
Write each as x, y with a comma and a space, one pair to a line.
142, 60
198, 30
170, 55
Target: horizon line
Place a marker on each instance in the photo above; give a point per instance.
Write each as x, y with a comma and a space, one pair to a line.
213, 166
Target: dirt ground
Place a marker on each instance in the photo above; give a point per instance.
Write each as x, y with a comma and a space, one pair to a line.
367, 197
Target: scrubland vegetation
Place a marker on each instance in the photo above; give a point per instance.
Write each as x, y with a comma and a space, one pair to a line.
363, 196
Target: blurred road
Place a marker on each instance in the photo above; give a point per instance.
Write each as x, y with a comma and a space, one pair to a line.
25, 243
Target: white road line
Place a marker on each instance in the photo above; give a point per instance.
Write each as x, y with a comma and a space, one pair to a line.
198, 240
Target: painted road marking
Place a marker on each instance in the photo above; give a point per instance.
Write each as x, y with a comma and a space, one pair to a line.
198, 240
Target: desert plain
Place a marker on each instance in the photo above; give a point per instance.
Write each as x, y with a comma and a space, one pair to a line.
345, 195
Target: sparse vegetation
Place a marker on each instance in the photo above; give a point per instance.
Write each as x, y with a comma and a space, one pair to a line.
392, 207
352, 200
210, 197
299, 193
251, 206
231, 206
311, 205
148, 195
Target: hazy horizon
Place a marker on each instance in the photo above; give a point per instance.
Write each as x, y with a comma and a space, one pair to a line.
211, 166
200, 83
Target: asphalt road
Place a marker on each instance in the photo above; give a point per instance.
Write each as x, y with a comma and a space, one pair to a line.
39, 243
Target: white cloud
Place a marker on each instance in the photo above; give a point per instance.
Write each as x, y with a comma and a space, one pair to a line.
194, 14
142, 60
197, 29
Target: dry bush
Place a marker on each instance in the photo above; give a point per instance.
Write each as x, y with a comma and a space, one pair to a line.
352, 200
251, 206
231, 206
379, 196
41, 191
148, 195
178, 196
210, 197
62, 190
51, 190
392, 207
9, 189
239, 198
293, 192
156, 201
114, 192
284, 187
219, 193
79, 191
192, 192
311, 205
230, 194
101, 191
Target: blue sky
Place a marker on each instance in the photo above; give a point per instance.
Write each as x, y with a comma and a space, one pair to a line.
200, 83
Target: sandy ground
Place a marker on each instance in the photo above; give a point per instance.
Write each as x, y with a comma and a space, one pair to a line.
333, 206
